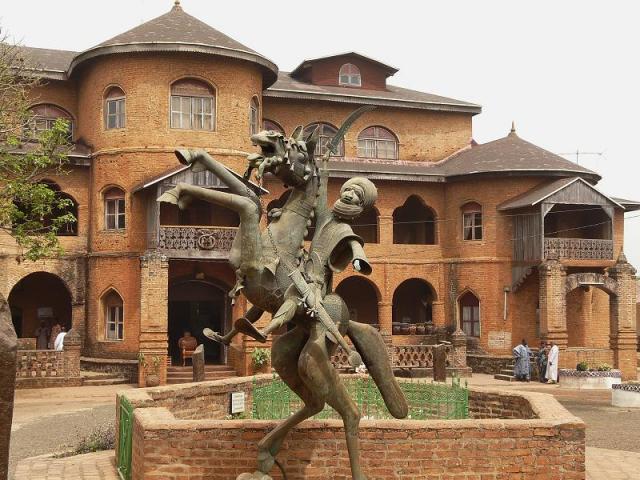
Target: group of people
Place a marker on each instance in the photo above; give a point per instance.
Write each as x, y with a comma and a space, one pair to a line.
546, 361
50, 337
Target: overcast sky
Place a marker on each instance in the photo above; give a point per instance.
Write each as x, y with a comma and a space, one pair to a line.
566, 71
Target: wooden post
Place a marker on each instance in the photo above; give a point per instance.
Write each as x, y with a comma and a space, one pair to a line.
197, 360
8, 351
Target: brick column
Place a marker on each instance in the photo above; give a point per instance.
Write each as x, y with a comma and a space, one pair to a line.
71, 350
385, 317
78, 321
553, 301
438, 314
385, 226
623, 336
459, 342
154, 298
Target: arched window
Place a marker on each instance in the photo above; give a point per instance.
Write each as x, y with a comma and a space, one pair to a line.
377, 142
326, 133
470, 314
114, 108
192, 105
349, 75
45, 116
414, 223
58, 210
472, 221
412, 303
254, 116
361, 298
114, 209
113, 309
366, 226
271, 125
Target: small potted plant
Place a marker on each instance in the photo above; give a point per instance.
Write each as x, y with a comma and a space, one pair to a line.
589, 377
151, 371
260, 359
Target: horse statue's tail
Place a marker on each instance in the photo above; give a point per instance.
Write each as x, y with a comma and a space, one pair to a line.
370, 345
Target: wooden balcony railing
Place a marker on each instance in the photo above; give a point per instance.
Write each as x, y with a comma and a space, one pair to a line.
196, 241
579, 248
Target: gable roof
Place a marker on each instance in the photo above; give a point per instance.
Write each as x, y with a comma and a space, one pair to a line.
289, 87
309, 61
46, 62
539, 194
512, 155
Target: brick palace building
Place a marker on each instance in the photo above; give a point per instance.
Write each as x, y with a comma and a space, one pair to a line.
503, 240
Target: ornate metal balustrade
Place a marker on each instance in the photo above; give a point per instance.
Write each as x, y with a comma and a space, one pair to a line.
196, 241
579, 248
403, 356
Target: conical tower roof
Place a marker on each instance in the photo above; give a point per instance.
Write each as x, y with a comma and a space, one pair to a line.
177, 31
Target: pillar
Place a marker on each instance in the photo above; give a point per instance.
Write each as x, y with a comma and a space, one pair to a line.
385, 225
438, 314
8, 351
459, 343
623, 336
385, 317
72, 346
154, 298
553, 301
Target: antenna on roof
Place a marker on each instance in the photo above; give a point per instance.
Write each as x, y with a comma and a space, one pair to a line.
577, 153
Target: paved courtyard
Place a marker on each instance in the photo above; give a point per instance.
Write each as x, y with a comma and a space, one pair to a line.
610, 456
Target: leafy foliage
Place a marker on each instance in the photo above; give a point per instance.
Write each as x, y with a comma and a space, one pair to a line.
260, 357
582, 366
31, 211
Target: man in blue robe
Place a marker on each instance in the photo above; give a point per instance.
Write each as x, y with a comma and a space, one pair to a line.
522, 355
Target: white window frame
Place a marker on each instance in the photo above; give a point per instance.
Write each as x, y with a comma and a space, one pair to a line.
195, 116
118, 116
118, 215
114, 322
350, 79
470, 223
369, 147
254, 117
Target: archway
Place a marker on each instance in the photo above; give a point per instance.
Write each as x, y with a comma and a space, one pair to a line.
469, 314
195, 304
361, 298
413, 302
40, 297
366, 225
414, 223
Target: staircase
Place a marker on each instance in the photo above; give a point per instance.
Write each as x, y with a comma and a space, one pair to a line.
506, 374
99, 379
211, 372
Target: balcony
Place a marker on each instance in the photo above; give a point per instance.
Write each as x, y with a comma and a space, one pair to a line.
192, 241
579, 248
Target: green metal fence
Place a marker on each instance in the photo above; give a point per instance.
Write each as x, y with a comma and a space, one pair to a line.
125, 434
427, 400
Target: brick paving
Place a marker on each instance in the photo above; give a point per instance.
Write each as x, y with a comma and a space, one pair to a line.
603, 464
91, 466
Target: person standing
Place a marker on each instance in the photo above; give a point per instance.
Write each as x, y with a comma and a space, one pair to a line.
552, 363
58, 345
522, 356
42, 336
55, 330
542, 363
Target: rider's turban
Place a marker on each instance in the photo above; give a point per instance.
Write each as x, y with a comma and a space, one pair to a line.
367, 186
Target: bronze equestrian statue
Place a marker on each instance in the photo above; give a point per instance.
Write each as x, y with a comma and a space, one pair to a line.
278, 276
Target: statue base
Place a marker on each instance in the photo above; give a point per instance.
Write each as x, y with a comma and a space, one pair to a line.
257, 475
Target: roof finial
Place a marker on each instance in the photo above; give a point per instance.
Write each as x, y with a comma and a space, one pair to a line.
176, 4
513, 126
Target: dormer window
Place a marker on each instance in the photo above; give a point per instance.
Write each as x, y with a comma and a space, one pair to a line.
350, 75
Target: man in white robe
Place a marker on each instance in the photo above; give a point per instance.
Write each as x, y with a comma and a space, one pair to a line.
552, 364
58, 345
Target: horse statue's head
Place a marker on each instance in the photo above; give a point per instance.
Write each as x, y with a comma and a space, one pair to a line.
290, 159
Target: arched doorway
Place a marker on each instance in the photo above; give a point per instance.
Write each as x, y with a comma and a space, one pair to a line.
195, 304
469, 314
40, 297
413, 302
414, 223
361, 298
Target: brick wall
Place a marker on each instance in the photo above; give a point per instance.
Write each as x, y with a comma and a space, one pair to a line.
47, 368
516, 435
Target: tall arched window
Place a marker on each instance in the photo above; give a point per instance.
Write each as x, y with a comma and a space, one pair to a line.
254, 116
113, 309
472, 221
114, 209
192, 105
271, 125
326, 133
114, 108
350, 75
45, 116
469, 306
414, 223
377, 142
70, 228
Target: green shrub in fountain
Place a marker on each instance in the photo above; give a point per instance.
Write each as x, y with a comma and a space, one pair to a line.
260, 357
603, 367
582, 366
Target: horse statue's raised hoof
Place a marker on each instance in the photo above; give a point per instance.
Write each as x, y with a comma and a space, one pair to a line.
215, 336
243, 325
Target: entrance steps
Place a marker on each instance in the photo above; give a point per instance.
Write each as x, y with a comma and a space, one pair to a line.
506, 374
211, 372
98, 379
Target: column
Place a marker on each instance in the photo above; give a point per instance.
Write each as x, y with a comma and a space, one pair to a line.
154, 298
385, 316
72, 346
385, 224
623, 337
553, 301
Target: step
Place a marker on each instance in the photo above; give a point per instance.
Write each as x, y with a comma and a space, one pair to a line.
506, 371
95, 382
184, 379
507, 378
207, 368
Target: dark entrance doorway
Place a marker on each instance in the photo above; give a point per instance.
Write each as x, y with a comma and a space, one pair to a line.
193, 306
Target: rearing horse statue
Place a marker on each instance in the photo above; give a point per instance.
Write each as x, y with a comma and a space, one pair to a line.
265, 263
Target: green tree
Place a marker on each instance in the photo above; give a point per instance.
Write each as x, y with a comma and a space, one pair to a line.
30, 210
